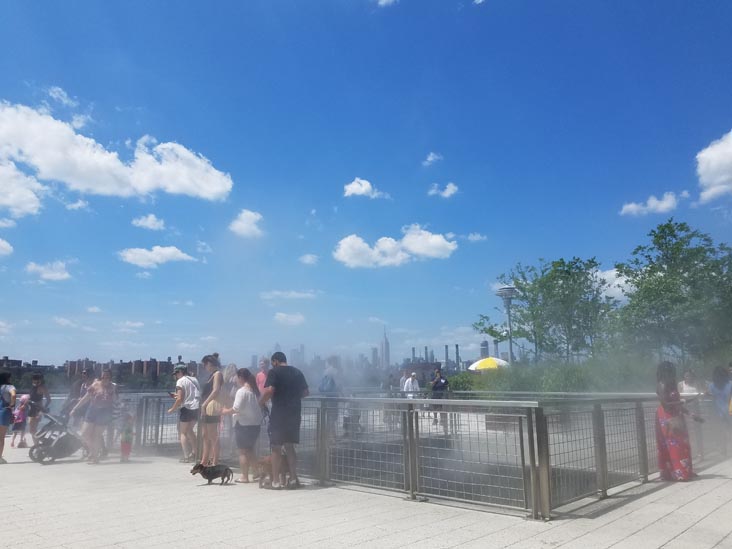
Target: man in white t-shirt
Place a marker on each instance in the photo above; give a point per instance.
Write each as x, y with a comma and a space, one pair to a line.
188, 399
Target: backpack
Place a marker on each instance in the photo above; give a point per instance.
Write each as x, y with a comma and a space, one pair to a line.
327, 385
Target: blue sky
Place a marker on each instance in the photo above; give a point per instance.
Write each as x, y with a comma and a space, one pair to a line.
548, 119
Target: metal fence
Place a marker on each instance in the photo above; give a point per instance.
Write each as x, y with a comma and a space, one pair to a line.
522, 454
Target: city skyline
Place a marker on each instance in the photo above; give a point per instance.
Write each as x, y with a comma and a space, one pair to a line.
218, 180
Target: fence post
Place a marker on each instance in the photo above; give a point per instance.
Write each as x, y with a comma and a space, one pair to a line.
321, 449
138, 423
404, 415
532, 465
412, 435
640, 429
598, 431
545, 485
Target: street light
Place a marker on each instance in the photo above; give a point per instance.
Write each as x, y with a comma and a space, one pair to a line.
507, 293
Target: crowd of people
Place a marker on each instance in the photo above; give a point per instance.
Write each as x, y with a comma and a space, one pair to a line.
273, 397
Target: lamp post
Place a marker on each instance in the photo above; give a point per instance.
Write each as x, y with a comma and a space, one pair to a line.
507, 293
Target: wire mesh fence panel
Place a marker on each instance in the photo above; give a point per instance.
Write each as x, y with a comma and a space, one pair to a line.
476, 457
649, 414
621, 441
572, 455
365, 444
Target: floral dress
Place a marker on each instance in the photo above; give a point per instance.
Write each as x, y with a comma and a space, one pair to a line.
672, 438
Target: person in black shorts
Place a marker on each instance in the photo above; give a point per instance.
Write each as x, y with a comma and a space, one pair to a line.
286, 387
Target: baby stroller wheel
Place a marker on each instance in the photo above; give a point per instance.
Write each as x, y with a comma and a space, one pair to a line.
36, 454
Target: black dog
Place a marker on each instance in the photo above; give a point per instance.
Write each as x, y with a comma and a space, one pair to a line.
213, 471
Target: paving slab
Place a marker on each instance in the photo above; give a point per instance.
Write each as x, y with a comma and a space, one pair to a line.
155, 502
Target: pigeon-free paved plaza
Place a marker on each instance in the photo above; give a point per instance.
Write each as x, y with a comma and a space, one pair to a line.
155, 502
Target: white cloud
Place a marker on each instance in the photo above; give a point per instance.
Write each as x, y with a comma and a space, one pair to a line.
362, 187
287, 294
714, 168
245, 225
477, 237
7, 223
449, 190
432, 157
617, 284
665, 204
376, 320
422, 243
78, 121
5, 327
149, 221
417, 243
20, 193
185, 346
93, 309
209, 338
478, 2
384, 3
187, 303
203, 248
308, 259
150, 259
78, 205
5, 248
65, 322
289, 319
59, 95
54, 151
143, 275
49, 271
129, 326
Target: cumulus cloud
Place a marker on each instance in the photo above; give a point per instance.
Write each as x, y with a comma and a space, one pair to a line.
5, 248
20, 194
53, 151
78, 205
287, 294
449, 190
245, 225
289, 319
5, 327
93, 309
432, 157
65, 322
416, 243
55, 270
7, 223
308, 259
78, 121
362, 187
617, 284
59, 95
143, 275
665, 204
384, 3
150, 259
149, 221
477, 237
714, 168
187, 303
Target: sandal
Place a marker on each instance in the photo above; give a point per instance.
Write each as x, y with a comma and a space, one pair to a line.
242, 481
293, 484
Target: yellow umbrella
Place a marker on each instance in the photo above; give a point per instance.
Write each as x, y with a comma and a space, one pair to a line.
490, 363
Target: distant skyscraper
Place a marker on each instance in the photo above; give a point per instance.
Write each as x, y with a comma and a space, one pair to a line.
484, 349
374, 357
386, 353
254, 365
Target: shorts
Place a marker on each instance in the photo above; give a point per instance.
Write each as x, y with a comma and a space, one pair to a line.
98, 416
211, 419
186, 415
19, 426
34, 410
284, 430
246, 436
6, 417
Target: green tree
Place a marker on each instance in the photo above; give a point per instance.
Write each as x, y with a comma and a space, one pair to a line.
679, 297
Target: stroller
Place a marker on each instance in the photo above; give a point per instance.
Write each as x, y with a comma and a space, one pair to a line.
54, 441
